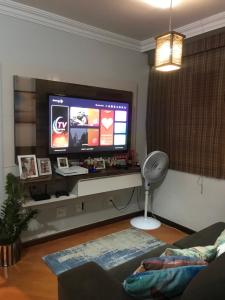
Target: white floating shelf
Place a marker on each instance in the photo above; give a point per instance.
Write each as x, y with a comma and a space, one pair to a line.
104, 184
30, 203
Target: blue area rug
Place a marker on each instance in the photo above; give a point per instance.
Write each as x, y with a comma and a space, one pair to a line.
108, 251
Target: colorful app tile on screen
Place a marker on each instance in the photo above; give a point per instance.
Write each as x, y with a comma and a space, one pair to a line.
119, 139
106, 133
120, 116
120, 127
59, 126
93, 137
78, 137
93, 117
80, 116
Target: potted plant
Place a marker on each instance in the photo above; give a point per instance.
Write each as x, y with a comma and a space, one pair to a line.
13, 220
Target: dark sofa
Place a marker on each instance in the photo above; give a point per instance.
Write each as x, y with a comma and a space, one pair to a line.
91, 282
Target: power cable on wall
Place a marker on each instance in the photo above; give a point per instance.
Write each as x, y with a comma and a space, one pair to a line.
128, 203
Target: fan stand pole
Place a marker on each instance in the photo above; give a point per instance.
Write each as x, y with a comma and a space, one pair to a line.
145, 222
146, 204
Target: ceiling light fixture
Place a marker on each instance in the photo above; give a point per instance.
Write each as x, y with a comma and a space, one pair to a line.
162, 3
169, 48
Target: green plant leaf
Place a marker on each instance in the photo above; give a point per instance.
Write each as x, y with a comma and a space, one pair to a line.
13, 218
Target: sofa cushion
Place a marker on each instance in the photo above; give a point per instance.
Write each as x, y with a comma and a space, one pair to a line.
123, 271
204, 237
208, 284
160, 284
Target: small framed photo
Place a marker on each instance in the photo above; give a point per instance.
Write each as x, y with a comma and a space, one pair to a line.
44, 166
62, 162
27, 166
99, 163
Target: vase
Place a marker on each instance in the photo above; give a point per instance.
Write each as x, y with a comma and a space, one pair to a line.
10, 254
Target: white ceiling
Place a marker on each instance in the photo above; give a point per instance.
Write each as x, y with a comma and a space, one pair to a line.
131, 18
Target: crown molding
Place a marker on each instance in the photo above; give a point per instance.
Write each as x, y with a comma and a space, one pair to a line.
38, 16
202, 26
147, 45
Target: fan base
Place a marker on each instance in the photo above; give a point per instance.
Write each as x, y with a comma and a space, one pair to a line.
145, 223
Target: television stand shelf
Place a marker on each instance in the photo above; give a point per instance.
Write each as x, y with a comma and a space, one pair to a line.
87, 184
31, 202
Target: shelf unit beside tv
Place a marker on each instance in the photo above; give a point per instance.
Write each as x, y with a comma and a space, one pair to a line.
87, 184
30, 203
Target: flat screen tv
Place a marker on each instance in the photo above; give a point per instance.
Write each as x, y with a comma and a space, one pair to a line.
87, 125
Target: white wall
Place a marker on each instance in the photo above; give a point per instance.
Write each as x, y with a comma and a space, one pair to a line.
33, 50
1, 143
190, 200
36, 51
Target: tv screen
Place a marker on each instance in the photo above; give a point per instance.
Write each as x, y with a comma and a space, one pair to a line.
87, 125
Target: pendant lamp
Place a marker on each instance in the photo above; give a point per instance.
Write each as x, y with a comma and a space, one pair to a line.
169, 48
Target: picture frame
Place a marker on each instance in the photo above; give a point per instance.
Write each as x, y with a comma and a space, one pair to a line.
62, 162
44, 166
99, 163
27, 166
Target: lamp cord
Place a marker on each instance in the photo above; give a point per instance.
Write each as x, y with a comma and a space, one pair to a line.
170, 21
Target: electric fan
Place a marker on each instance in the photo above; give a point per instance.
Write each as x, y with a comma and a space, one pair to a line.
154, 170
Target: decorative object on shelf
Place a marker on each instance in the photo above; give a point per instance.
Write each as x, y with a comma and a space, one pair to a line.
27, 166
89, 163
44, 166
169, 48
62, 162
121, 163
111, 161
99, 163
92, 169
13, 220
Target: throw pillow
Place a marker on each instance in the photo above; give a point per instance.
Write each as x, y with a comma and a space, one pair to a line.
159, 284
220, 250
220, 243
207, 253
221, 239
165, 262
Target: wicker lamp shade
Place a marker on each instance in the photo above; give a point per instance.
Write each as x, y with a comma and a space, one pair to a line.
168, 54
